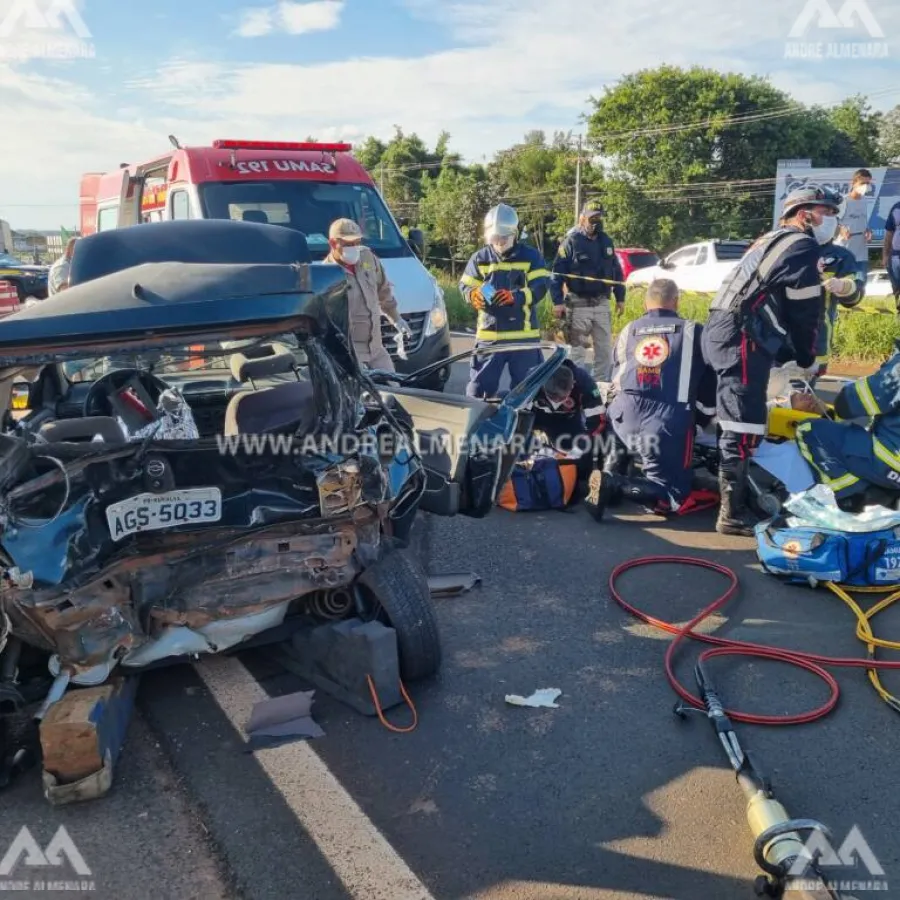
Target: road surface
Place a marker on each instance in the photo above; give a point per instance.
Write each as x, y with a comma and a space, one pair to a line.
608, 797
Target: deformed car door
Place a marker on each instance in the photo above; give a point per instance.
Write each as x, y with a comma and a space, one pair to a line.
468, 447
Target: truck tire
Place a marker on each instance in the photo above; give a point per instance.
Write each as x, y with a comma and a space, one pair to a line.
396, 589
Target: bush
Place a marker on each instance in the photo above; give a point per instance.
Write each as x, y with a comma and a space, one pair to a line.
865, 334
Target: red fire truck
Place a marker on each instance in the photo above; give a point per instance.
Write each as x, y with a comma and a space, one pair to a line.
305, 186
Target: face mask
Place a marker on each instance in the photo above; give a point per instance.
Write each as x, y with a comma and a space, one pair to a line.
825, 232
593, 226
502, 245
350, 255
556, 404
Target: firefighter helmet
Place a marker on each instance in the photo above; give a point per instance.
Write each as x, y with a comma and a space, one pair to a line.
502, 221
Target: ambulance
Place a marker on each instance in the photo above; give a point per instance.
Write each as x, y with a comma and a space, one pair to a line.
305, 186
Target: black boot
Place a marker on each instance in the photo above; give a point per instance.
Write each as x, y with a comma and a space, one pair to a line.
604, 489
641, 491
734, 515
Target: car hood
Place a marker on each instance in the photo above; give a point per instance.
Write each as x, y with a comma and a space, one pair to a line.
414, 288
161, 305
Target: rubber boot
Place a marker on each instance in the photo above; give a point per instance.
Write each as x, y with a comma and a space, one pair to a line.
641, 491
734, 515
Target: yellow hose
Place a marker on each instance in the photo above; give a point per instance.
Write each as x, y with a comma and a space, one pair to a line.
864, 629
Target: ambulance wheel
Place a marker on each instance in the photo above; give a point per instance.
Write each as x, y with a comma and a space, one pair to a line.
395, 590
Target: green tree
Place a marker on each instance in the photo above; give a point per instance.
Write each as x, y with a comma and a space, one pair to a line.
889, 136
855, 119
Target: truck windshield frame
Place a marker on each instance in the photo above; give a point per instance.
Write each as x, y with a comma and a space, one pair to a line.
307, 206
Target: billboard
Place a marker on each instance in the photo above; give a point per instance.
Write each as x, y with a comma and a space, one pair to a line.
797, 173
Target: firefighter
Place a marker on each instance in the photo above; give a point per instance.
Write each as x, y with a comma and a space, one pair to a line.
569, 410
584, 270
771, 301
370, 294
662, 389
504, 281
848, 457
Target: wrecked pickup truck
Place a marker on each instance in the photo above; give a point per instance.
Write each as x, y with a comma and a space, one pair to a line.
191, 457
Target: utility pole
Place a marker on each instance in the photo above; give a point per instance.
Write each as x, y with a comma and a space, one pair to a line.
578, 182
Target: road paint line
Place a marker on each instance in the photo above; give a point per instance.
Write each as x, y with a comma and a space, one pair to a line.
367, 865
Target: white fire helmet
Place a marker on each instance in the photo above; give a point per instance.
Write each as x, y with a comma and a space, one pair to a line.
501, 228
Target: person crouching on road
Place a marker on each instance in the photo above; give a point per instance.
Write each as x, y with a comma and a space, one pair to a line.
662, 388
771, 300
505, 281
570, 412
585, 264
370, 294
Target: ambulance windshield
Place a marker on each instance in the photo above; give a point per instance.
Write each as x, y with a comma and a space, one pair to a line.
307, 206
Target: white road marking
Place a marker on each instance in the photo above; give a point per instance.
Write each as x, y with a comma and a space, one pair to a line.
367, 865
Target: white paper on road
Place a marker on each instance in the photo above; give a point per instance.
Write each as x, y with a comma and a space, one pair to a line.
546, 697
786, 463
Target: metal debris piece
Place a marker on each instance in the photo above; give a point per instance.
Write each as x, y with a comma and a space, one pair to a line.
280, 720
452, 585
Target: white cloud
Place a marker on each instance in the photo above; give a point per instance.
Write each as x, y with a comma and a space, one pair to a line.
293, 18
514, 68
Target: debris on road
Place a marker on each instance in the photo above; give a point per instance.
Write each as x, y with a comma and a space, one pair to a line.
452, 585
544, 698
281, 720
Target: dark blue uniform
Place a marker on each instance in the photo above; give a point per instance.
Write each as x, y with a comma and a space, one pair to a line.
772, 300
523, 272
595, 258
892, 227
847, 457
581, 413
836, 262
661, 388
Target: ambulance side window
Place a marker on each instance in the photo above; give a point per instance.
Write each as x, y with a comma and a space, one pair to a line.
181, 205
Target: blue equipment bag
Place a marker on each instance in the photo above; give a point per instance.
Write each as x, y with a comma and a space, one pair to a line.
543, 482
808, 555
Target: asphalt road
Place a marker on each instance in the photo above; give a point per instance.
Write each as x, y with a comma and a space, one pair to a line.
608, 797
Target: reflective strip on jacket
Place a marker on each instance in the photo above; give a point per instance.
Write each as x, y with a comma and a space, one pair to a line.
524, 273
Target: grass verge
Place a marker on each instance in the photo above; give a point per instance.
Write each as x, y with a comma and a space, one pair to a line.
865, 334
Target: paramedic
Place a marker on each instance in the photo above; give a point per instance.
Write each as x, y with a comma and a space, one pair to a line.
848, 457
586, 266
662, 389
771, 300
569, 411
505, 282
370, 294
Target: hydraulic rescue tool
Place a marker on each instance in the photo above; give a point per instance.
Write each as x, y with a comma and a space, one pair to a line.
780, 847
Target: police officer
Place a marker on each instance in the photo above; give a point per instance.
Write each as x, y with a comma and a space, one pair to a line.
505, 281
848, 457
569, 410
585, 264
772, 299
662, 389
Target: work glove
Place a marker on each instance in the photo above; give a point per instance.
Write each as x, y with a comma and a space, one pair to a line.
840, 287
476, 298
504, 298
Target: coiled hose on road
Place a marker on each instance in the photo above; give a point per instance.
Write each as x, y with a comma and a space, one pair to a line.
810, 662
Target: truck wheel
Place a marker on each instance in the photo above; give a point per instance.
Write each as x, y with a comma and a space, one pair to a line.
396, 591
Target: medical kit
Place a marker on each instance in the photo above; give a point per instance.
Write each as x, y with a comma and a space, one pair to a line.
540, 482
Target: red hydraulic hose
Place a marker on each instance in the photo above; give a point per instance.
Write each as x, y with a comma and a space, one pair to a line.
808, 661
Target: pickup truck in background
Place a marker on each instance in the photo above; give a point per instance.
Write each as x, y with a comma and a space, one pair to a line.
697, 267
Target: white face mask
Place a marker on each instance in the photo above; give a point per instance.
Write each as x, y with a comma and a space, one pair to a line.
350, 255
825, 232
502, 245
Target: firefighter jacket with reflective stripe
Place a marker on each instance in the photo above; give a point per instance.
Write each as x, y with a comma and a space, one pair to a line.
775, 294
591, 257
580, 412
658, 357
876, 397
523, 272
837, 262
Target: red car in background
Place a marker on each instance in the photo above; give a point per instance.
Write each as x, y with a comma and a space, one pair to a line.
631, 258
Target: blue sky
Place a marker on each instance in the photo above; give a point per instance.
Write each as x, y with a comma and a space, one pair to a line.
487, 72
